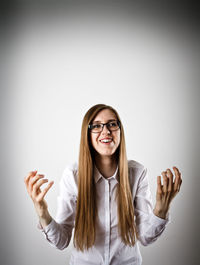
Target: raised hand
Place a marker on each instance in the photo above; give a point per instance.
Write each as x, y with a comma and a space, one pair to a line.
166, 192
33, 184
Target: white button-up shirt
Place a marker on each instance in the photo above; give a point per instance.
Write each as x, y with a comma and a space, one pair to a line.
108, 248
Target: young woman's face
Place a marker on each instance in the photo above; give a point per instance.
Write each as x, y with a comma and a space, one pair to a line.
105, 148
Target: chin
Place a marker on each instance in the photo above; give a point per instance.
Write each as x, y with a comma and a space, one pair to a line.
106, 153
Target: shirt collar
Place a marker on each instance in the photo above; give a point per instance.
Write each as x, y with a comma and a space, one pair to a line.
97, 174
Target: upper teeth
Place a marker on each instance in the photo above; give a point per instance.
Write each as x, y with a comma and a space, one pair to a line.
106, 140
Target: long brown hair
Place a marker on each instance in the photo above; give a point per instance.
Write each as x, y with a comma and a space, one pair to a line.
86, 211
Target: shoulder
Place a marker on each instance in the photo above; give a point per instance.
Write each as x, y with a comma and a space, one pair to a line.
69, 178
136, 171
71, 167
135, 166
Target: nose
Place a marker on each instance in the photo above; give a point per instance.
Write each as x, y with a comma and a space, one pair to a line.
105, 130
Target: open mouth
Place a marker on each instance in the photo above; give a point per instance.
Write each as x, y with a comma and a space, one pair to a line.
106, 141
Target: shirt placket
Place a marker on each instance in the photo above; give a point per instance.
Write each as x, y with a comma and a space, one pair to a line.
107, 221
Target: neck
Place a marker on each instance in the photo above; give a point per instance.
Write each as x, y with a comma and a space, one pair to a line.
106, 165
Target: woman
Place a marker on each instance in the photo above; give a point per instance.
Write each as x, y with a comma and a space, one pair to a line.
105, 198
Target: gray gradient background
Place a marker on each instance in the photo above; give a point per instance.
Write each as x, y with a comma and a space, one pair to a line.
57, 60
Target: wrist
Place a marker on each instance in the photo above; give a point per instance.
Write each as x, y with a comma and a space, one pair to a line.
160, 213
41, 209
45, 220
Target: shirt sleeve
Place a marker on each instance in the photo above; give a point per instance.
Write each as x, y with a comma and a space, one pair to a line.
59, 231
148, 225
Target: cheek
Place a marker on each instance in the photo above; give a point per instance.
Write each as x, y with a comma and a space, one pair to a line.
119, 141
93, 140
118, 138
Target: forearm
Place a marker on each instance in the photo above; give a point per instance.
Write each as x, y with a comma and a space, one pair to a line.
43, 213
45, 219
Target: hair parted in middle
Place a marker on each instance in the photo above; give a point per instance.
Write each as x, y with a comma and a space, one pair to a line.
86, 211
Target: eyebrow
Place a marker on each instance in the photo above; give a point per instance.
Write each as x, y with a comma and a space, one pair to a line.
107, 120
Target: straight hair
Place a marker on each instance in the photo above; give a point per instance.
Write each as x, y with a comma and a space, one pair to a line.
86, 209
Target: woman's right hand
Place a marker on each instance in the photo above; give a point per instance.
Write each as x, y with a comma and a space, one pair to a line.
33, 183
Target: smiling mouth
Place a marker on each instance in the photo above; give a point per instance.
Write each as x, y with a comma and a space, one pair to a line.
107, 142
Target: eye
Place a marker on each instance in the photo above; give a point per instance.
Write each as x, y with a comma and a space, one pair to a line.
96, 126
113, 124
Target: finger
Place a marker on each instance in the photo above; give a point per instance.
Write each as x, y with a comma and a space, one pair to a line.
177, 179
159, 186
179, 186
176, 170
165, 181
34, 180
37, 185
27, 178
30, 174
170, 178
43, 193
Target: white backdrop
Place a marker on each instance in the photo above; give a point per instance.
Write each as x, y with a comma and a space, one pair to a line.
60, 64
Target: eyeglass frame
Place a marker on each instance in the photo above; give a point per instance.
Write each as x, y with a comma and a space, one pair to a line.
118, 122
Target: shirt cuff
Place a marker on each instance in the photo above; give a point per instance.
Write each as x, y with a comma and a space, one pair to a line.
48, 227
160, 221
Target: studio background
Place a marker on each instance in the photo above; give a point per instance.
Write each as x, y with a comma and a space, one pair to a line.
59, 60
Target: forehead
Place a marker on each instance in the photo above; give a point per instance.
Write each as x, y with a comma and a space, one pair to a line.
105, 115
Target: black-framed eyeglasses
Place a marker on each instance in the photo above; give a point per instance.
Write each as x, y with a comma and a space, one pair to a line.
98, 127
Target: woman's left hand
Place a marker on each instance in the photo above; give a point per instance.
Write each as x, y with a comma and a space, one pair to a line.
166, 192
